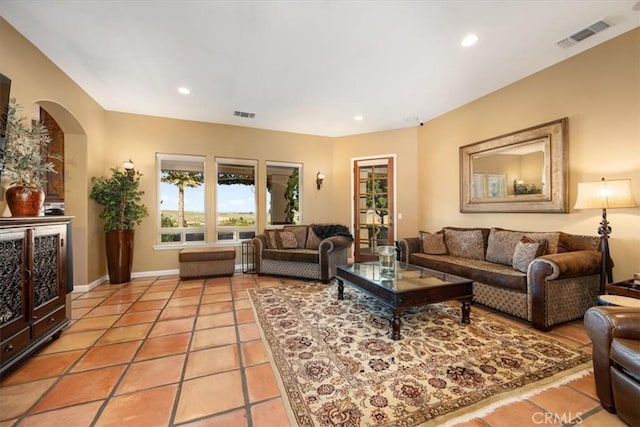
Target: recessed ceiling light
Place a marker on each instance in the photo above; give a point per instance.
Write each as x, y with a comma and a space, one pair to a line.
413, 119
184, 90
469, 40
358, 118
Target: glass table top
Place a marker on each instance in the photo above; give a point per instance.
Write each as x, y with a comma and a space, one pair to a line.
404, 278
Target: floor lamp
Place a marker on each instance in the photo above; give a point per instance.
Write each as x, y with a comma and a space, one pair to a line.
605, 195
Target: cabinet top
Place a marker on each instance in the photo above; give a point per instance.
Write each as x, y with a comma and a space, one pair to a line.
34, 220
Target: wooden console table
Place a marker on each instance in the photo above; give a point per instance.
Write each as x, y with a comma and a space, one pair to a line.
33, 263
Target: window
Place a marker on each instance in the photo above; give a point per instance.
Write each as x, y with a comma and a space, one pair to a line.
182, 199
235, 199
283, 193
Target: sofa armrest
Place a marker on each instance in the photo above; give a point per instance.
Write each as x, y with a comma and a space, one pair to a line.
334, 243
566, 264
603, 324
408, 246
259, 243
548, 271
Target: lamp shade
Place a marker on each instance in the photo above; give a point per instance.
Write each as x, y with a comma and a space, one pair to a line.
605, 194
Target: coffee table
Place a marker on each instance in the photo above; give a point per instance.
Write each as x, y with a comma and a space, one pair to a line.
408, 286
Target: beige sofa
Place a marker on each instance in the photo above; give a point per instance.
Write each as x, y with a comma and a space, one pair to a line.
546, 278
307, 251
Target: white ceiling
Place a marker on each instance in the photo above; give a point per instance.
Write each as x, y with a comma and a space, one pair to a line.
305, 66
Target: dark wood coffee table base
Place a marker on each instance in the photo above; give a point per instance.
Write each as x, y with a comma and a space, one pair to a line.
399, 302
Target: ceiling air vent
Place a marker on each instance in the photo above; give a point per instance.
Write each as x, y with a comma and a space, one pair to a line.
244, 114
583, 34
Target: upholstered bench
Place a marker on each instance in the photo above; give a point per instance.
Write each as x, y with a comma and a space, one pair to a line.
205, 262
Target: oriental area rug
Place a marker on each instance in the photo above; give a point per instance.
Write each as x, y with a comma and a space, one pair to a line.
337, 365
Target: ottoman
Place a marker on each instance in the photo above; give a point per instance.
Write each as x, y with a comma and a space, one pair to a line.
205, 262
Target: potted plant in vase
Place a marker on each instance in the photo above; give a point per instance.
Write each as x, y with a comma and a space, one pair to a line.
25, 163
123, 210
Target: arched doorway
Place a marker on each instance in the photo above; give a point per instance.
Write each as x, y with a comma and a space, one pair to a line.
75, 182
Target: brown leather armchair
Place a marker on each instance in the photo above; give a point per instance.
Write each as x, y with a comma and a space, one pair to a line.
615, 334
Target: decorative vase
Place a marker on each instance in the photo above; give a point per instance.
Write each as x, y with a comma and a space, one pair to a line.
119, 255
24, 201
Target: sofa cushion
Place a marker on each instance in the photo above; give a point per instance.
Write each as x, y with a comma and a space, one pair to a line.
502, 244
526, 251
272, 243
552, 238
465, 243
294, 255
433, 243
477, 270
301, 233
286, 239
313, 241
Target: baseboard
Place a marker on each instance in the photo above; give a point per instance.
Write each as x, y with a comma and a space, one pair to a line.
135, 275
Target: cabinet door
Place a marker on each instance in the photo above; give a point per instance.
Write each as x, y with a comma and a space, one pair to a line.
47, 269
13, 289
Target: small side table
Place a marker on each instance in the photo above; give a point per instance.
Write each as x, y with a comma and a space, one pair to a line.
625, 288
625, 293
248, 265
619, 300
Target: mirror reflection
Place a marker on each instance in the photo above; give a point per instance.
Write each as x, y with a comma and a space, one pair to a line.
514, 171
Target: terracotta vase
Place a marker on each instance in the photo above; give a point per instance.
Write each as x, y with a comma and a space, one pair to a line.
119, 255
24, 201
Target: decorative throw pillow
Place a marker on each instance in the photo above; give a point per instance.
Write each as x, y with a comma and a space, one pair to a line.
502, 244
286, 239
313, 241
433, 243
465, 243
526, 251
272, 243
301, 233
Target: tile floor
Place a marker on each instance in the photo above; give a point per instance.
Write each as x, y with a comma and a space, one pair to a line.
160, 352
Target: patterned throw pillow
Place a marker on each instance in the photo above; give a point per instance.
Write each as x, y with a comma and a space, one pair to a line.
465, 243
272, 243
502, 244
526, 251
286, 239
433, 243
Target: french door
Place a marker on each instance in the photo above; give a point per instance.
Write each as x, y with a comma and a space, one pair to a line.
373, 207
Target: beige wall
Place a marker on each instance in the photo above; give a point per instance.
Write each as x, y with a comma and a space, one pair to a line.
599, 91
35, 79
141, 137
403, 144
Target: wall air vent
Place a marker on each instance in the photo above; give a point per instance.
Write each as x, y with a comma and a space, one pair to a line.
244, 114
583, 34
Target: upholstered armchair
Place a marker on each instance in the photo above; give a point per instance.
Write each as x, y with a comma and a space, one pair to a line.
615, 334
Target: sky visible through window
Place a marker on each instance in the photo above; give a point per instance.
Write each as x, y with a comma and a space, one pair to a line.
231, 198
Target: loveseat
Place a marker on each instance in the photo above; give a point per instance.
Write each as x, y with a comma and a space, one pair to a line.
546, 278
307, 251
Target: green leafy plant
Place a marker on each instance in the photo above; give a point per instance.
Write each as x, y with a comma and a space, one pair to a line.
25, 155
121, 198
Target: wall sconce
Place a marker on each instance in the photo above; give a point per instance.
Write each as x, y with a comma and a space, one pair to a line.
319, 179
605, 195
128, 166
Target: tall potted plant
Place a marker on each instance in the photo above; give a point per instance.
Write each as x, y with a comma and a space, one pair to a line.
25, 163
123, 210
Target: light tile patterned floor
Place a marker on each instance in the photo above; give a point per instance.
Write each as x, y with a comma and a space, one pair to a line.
160, 352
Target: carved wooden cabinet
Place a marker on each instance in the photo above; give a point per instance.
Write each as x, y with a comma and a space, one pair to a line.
32, 285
